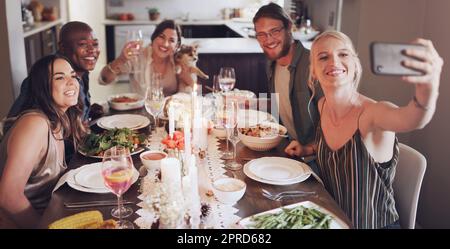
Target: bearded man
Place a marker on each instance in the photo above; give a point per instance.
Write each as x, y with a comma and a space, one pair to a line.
288, 73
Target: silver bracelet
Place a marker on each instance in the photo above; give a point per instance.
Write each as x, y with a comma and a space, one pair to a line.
419, 105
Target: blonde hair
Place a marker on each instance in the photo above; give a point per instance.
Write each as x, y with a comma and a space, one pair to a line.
347, 42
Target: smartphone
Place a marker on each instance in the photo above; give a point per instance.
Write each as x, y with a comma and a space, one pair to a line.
386, 58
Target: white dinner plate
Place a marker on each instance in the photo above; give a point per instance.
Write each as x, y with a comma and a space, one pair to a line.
130, 121
71, 181
290, 172
277, 169
335, 223
90, 176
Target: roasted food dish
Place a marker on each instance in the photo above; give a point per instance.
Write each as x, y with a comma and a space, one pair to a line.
261, 130
124, 99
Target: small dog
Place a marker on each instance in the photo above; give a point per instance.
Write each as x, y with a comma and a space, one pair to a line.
186, 68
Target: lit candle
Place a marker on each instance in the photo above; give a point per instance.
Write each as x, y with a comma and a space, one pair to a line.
171, 121
171, 172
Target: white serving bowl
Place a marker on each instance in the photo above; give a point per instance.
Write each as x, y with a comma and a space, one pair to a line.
228, 190
151, 164
123, 106
263, 143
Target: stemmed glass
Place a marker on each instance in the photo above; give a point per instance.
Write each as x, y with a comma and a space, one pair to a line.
234, 139
117, 172
135, 35
154, 102
227, 79
232, 135
226, 116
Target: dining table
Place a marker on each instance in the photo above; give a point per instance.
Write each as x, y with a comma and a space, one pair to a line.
253, 201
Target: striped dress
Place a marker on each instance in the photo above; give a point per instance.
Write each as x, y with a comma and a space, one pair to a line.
361, 186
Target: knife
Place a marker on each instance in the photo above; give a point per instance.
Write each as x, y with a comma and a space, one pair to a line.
94, 203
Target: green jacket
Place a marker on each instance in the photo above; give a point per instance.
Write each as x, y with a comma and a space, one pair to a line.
305, 122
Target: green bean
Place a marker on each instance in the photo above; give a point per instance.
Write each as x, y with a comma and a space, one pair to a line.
298, 217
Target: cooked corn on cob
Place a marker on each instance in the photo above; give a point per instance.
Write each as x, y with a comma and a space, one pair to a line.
78, 221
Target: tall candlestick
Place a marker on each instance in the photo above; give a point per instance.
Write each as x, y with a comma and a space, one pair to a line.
195, 204
187, 135
193, 173
171, 121
171, 173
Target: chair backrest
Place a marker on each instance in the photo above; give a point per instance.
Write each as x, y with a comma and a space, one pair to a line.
407, 183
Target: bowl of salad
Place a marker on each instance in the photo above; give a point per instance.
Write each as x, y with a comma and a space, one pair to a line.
94, 145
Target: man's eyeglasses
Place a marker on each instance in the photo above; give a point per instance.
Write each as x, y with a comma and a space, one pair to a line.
274, 33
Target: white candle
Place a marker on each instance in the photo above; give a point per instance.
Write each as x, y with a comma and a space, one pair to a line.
171, 121
196, 130
204, 135
187, 135
171, 172
186, 181
193, 173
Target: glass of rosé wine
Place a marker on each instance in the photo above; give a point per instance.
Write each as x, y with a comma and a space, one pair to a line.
117, 172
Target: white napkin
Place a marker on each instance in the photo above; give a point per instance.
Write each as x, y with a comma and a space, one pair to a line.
63, 180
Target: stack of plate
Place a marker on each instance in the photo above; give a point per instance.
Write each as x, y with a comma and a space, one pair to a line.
88, 178
277, 170
130, 121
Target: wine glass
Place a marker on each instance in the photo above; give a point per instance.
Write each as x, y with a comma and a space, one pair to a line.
117, 172
135, 35
227, 79
226, 116
234, 139
154, 102
215, 84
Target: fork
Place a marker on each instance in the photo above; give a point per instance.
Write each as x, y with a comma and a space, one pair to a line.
280, 197
288, 192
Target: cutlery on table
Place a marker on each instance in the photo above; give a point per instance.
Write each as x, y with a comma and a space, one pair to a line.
284, 194
94, 203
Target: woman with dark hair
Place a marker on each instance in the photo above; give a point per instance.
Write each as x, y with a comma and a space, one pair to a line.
32, 150
155, 59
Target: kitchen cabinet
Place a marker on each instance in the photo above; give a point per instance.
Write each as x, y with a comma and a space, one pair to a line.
40, 44
249, 68
208, 31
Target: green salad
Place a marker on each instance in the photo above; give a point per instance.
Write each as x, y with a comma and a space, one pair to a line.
295, 218
96, 144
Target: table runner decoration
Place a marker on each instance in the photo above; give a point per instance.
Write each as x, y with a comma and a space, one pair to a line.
214, 214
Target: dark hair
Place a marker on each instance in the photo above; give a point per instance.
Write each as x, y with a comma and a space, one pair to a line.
65, 35
167, 24
40, 97
273, 11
